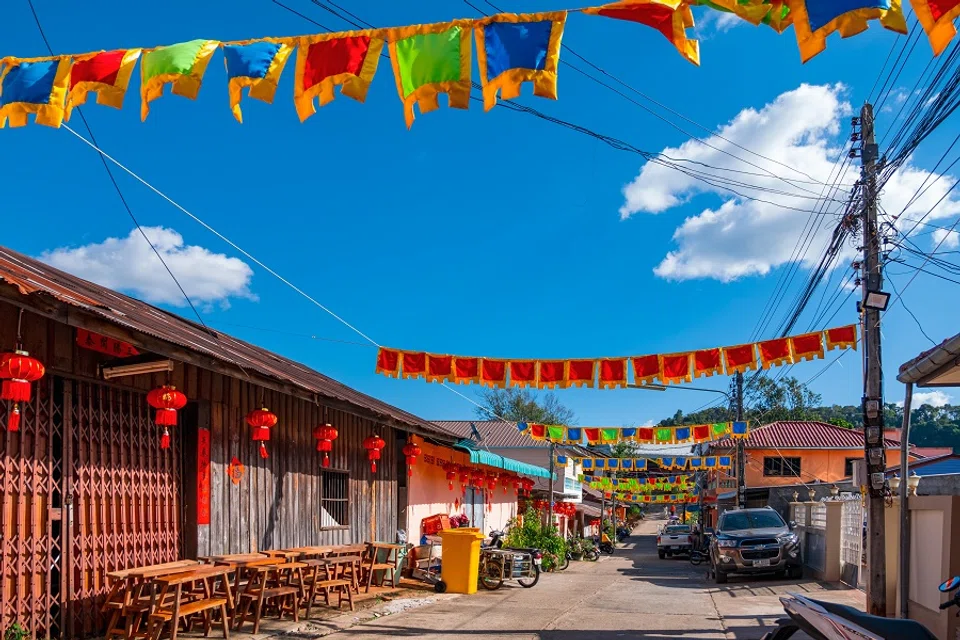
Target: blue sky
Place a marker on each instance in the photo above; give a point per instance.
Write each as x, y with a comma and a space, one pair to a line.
477, 233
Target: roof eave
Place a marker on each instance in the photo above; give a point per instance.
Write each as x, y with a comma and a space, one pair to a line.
933, 364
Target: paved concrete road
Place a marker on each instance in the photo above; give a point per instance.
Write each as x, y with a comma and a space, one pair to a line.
632, 594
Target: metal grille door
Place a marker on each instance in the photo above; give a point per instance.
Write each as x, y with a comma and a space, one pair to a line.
851, 542
31, 551
125, 490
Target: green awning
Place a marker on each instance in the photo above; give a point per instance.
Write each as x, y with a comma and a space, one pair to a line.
479, 456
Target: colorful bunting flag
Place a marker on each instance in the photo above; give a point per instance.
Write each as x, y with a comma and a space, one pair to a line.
807, 346
613, 373
686, 434
493, 373
466, 370
675, 367
552, 374
672, 18
707, 362
844, 337
645, 369
580, 373
388, 362
33, 85
256, 64
439, 368
936, 17
513, 49
181, 65
428, 60
348, 60
814, 20
774, 353
523, 373
739, 359
414, 364
105, 73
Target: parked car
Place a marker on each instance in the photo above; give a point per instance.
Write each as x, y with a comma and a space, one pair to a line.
674, 539
755, 541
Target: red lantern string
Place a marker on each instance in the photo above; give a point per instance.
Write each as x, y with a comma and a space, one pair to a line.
18, 370
373, 445
325, 435
451, 469
262, 420
167, 401
464, 479
412, 452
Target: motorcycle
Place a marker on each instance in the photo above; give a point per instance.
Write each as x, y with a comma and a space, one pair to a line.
829, 621
603, 544
499, 563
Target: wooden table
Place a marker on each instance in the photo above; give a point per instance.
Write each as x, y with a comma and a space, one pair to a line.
125, 593
240, 562
175, 602
289, 554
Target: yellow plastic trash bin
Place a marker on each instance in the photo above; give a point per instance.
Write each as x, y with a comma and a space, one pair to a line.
461, 559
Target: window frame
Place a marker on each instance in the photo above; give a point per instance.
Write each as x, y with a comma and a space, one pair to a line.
345, 500
848, 466
782, 466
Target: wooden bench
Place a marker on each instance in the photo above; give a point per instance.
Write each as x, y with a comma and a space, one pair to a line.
266, 587
172, 608
389, 566
322, 576
126, 599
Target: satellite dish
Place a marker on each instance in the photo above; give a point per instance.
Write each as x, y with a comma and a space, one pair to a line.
475, 433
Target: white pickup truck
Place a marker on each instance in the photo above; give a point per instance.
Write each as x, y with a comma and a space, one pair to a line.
674, 539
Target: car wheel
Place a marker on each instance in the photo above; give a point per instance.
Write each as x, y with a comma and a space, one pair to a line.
780, 575
795, 573
720, 577
661, 554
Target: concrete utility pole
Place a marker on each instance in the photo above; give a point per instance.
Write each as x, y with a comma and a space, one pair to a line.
553, 471
741, 450
872, 279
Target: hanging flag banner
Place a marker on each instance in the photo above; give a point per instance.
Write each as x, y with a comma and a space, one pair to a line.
672, 18
936, 17
429, 60
256, 64
814, 20
105, 73
180, 65
348, 60
773, 13
513, 49
686, 434
599, 465
35, 86
611, 373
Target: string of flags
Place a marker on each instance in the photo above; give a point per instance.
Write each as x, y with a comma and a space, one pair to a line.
683, 498
427, 60
675, 463
685, 434
610, 373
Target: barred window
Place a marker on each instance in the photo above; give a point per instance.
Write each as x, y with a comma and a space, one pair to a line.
781, 467
334, 504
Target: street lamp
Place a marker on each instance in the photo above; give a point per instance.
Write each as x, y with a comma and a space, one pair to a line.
894, 484
912, 483
877, 300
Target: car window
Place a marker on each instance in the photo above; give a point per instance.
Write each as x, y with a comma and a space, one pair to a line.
750, 520
679, 529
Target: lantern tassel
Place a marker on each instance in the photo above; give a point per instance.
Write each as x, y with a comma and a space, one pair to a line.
326, 461
13, 420
16, 390
373, 466
165, 439
263, 450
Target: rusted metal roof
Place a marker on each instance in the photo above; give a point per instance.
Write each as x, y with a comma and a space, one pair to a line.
33, 277
498, 434
802, 435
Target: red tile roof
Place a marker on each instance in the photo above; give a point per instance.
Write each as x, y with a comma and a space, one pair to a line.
802, 435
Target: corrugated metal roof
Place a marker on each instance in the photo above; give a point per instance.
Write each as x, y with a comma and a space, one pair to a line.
499, 434
33, 277
944, 466
802, 435
481, 456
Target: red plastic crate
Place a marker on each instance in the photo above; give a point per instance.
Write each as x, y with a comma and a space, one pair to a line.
434, 524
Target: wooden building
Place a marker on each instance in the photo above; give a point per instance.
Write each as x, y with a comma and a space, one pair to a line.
85, 487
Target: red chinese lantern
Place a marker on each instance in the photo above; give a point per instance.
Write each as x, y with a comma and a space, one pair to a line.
464, 479
528, 485
477, 477
373, 445
516, 485
261, 420
412, 452
167, 401
492, 480
18, 370
325, 436
451, 469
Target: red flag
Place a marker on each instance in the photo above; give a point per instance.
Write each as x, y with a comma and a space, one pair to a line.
593, 435
581, 373
645, 369
388, 362
741, 358
466, 370
439, 368
523, 373
707, 363
675, 367
493, 373
809, 346
701, 432
414, 364
775, 352
842, 338
613, 373
538, 431
645, 435
552, 373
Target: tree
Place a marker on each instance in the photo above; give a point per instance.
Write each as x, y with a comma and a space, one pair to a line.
784, 399
521, 405
842, 423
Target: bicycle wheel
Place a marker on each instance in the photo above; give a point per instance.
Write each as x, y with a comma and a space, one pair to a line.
563, 563
491, 574
526, 584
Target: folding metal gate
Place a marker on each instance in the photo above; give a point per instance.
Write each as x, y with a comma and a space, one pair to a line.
84, 490
851, 541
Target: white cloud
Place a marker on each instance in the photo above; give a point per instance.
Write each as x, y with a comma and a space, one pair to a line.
712, 22
129, 264
950, 239
737, 237
932, 398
